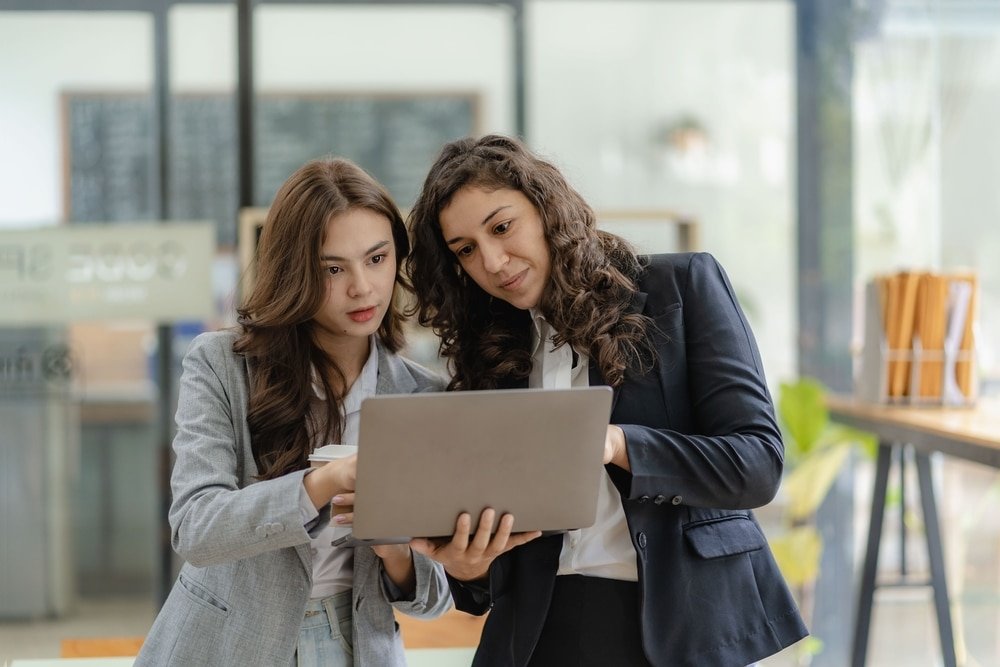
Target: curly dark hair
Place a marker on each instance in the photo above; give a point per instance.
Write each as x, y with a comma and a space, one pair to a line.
587, 299
277, 331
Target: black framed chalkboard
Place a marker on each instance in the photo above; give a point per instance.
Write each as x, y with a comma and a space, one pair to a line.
110, 160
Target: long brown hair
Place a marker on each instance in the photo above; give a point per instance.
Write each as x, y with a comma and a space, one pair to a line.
590, 290
277, 335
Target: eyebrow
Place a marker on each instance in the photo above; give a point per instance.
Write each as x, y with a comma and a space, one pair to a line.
336, 258
485, 220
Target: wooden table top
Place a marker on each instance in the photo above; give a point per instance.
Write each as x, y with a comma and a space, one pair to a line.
971, 433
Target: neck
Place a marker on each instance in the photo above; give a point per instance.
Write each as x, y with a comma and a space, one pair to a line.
349, 355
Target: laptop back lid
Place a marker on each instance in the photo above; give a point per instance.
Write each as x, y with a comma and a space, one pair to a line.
425, 458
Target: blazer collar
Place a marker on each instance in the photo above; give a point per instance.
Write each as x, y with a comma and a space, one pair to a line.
393, 375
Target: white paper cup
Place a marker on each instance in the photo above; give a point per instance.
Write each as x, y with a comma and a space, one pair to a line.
327, 453
341, 451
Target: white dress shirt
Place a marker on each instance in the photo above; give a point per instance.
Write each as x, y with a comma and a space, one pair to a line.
333, 567
604, 549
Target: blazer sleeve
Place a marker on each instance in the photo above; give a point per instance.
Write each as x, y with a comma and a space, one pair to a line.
476, 597
431, 597
212, 519
731, 455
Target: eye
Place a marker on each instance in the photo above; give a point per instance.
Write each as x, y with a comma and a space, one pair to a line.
502, 228
464, 251
333, 270
378, 259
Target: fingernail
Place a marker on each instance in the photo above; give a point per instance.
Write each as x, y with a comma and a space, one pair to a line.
340, 518
338, 499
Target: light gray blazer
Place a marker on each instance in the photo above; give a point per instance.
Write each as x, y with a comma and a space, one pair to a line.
241, 595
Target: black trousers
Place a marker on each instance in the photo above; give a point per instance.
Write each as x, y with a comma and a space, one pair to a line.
591, 622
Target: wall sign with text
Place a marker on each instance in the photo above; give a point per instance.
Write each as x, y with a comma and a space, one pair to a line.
150, 271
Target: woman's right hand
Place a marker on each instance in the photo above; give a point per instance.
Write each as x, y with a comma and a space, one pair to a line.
343, 473
468, 556
333, 478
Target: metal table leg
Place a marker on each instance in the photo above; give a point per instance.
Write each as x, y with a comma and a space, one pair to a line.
864, 616
935, 555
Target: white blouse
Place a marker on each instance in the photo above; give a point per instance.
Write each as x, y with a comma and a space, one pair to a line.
604, 549
333, 567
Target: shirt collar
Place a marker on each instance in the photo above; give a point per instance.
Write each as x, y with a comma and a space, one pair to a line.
539, 327
363, 386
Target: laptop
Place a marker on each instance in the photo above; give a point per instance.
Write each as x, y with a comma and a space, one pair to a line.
425, 458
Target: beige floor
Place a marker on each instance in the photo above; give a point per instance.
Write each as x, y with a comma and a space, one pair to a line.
903, 634
115, 617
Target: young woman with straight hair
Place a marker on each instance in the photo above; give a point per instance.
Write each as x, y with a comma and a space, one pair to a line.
319, 332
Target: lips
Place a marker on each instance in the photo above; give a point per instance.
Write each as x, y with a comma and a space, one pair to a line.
514, 282
362, 314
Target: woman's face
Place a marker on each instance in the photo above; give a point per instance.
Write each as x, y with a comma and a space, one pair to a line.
499, 240
358, 258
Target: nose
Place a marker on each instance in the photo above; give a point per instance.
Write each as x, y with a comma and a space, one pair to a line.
360, 285
494, 257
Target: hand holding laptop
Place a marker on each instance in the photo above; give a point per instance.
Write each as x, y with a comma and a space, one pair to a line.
467, 556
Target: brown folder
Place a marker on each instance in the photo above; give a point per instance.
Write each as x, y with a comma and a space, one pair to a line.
901, 311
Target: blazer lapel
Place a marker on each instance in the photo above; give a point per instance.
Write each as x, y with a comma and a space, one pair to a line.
393, 376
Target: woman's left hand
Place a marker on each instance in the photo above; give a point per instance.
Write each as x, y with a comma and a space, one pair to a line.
397, 560
614, 448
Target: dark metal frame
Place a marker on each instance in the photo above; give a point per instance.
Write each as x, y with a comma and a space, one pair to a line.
824, 73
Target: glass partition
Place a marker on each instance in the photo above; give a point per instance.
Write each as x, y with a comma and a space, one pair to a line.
926, 99
927, 95
78, 442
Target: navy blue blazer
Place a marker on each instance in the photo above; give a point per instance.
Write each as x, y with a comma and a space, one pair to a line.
704, 448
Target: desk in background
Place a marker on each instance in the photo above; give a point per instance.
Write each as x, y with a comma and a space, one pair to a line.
972, 434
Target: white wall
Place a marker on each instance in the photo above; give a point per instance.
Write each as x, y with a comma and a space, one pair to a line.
202, 53
42, 55
390, 48
605, 78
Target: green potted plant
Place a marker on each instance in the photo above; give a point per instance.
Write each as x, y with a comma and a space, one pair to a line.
816, 450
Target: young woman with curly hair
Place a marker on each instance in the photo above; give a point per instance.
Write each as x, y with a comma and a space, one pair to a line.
524, 290
262, 584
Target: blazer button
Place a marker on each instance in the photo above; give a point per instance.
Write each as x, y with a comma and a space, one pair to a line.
260, 531
643, 499
676, 500
641, 539
659, 500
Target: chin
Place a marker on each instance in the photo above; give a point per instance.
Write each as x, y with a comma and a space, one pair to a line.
522, 304
526, 302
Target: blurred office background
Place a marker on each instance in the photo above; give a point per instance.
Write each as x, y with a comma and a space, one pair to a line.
808, 144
